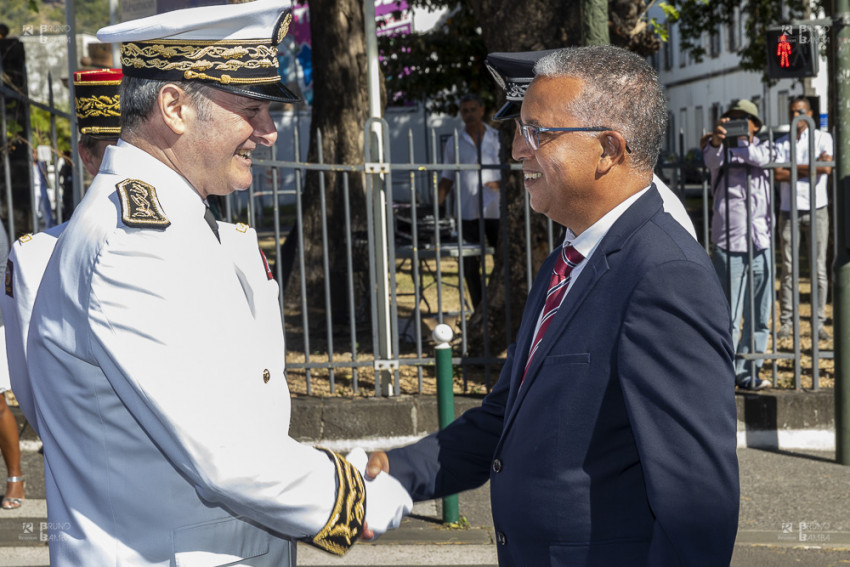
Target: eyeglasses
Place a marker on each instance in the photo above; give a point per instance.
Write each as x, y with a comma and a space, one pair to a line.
531, 134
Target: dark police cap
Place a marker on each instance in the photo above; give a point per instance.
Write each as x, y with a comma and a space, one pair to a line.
513, 72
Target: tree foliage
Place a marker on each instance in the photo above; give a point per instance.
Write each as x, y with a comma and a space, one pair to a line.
438, 66
698, 18
91, 15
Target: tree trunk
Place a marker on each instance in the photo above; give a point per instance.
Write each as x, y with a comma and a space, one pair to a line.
340, 110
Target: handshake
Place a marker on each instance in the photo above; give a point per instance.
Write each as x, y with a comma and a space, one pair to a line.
387, 502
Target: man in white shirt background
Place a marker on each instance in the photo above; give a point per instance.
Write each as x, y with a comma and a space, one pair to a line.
479, 190
824, 151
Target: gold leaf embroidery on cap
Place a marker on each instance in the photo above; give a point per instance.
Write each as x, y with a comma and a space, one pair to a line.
205, 61
92, 106
283, 28
140, 206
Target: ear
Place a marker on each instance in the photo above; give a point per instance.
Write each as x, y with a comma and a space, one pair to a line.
173, 103
613, 151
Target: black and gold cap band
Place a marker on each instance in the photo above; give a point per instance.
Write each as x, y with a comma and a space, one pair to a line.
97, 103
230, 47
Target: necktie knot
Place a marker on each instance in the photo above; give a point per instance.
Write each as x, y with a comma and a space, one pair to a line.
568, 259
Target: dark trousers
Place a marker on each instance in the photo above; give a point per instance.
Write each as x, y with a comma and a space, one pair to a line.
472, 271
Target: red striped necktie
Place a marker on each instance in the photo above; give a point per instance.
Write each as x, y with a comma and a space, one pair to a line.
568, 259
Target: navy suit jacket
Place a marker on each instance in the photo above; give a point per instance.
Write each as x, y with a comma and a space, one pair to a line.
619, 448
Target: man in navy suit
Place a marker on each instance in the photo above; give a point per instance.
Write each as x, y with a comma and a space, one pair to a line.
610, 436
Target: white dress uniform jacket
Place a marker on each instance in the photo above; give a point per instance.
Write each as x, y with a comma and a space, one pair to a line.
24, 270
158, 354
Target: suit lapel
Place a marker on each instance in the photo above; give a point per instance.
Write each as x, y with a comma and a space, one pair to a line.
598, 265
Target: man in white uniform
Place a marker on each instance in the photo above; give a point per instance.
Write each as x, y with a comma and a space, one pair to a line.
98, 113
156, 337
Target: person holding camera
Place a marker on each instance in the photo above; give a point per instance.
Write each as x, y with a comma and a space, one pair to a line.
740, 231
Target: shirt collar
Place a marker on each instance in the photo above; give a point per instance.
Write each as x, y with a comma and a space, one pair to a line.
587, 242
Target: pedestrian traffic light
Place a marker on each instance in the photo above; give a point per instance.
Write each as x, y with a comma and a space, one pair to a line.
792, 52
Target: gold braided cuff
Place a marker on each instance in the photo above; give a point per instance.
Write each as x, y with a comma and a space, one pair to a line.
349, 513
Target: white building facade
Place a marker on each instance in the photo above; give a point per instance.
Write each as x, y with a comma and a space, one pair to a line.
699, 93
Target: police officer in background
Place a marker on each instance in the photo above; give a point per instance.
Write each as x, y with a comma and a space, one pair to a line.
165, 422
98, 111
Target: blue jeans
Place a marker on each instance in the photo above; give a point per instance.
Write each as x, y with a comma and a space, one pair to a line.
736, 264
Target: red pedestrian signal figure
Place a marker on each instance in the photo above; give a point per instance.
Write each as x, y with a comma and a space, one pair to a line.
792, 52
783, 51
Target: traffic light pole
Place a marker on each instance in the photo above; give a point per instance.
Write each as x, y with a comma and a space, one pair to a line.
841, 311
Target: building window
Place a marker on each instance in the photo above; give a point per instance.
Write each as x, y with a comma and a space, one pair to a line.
716, 110
732, 33
699, 122
670, 145
668, 50
714, 43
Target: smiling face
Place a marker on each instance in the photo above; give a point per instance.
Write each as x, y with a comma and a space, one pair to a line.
217, 158
559, 176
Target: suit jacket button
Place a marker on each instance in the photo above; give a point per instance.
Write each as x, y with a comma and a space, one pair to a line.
501, 539
497, 465
266, 376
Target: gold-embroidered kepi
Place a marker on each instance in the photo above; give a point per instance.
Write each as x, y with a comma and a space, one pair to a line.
232, 47
97, 102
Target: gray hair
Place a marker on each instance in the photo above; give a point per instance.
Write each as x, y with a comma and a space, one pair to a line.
138, 98
620, 91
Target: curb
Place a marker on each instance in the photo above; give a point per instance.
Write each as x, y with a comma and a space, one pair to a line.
770, 420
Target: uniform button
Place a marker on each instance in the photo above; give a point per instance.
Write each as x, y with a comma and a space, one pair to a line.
501, 539
497, 465
266, 376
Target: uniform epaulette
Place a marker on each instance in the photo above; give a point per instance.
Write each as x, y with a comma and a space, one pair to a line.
140, 207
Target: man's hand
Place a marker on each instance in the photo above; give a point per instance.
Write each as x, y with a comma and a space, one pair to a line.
378, 463
719, 133
387, 502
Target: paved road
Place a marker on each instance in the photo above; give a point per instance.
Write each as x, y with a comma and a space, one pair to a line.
795, 511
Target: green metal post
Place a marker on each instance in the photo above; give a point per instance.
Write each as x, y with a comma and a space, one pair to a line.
445, 402
841, 307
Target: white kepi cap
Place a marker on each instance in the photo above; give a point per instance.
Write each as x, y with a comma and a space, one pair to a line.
232, 47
